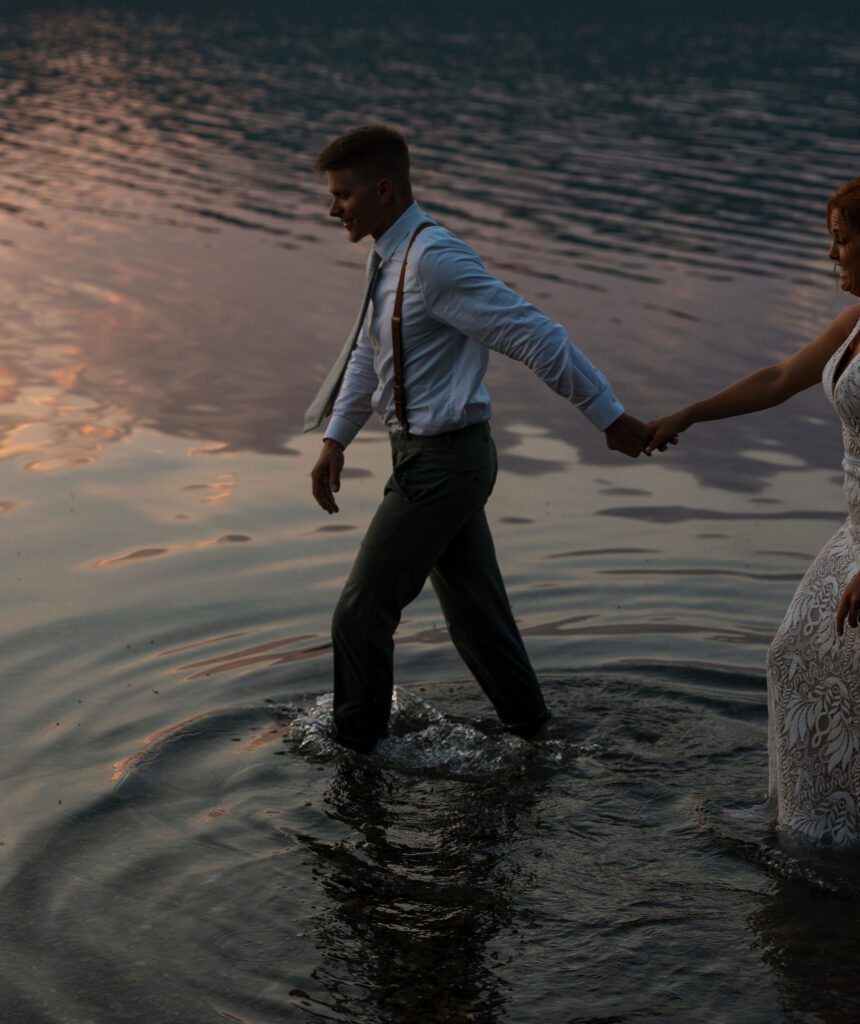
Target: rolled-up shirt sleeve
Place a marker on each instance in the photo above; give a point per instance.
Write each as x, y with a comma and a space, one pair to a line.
460, 292
354, 404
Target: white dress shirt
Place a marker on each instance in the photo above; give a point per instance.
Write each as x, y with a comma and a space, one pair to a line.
454, 312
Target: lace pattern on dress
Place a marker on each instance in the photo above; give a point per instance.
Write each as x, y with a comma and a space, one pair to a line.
813, 674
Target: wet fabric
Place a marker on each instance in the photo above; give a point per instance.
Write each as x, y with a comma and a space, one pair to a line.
431, 524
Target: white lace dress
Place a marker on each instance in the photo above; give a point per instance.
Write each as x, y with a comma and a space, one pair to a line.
813, 675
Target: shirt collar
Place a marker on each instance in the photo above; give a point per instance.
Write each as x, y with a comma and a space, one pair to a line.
400, 231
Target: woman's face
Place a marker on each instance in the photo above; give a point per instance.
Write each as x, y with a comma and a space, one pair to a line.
845, 250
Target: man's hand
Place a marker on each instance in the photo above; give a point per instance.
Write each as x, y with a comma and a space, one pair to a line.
628, 435
325, 476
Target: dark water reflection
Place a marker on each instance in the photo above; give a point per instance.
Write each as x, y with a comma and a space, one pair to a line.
242, 869
416, 903
792, 927
175, 848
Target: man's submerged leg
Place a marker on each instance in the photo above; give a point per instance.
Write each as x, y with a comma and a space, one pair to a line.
438, 484
410, 527
472, 594
541, 736
363, 626
431, 518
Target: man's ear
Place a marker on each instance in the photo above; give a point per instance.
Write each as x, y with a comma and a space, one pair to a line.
385, 190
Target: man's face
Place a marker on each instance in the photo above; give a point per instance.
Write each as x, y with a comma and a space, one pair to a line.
356, 203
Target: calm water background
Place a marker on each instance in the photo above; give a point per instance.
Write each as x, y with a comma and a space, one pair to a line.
179, 840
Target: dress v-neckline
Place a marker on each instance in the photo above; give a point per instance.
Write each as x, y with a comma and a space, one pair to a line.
842, 363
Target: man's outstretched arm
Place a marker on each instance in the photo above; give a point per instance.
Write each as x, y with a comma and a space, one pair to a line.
460, 292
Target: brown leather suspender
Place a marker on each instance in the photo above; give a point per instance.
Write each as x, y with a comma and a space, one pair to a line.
397, 335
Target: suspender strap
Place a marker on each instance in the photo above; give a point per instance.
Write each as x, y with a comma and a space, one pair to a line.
397, 335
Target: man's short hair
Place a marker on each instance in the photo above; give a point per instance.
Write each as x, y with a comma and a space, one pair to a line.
371, 151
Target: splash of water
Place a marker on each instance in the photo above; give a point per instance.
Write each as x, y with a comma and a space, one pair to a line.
420, 737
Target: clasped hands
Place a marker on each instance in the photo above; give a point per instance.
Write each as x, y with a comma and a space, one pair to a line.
626, 435
633, 437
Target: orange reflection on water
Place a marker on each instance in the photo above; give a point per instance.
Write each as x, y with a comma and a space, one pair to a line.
140, 554
122, 766
105, 433
129, 556
266, 654
270, 735
221, 490
52, 454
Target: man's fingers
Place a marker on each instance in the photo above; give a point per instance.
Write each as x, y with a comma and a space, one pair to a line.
326, 501
325, 476
326, 498
321, 489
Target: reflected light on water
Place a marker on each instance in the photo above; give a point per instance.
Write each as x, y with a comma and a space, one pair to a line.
173, 291
166, 223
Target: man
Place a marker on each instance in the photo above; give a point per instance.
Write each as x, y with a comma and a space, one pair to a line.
431, 521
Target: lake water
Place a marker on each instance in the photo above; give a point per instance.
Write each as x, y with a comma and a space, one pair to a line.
180, 841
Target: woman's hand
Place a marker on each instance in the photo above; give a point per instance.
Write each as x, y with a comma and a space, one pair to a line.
665, 430
849, 607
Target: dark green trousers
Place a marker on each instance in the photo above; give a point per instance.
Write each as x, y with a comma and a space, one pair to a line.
431, 523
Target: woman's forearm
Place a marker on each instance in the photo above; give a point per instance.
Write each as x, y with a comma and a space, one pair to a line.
760, 390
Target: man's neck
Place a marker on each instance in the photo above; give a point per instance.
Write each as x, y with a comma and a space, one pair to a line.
393, 216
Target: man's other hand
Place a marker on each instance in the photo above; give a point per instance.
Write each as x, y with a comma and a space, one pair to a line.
325, 476
628, 435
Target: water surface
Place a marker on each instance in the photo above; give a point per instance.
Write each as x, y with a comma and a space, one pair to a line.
180, 839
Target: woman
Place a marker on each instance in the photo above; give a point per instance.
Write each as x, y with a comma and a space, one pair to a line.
813, 664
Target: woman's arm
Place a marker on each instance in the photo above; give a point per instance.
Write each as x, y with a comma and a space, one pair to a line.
763, 389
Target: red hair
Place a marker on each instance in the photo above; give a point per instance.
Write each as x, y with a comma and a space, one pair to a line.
846, 202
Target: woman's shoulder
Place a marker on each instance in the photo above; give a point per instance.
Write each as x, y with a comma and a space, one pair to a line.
847, 321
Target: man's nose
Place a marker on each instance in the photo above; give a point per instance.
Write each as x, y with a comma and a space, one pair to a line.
335, 209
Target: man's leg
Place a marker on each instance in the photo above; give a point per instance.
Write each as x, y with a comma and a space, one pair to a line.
437, 485
472, 594
387, 574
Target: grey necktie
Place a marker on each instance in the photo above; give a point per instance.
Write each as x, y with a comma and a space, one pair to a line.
322, 404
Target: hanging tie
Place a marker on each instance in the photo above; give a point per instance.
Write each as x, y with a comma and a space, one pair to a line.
325, 397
